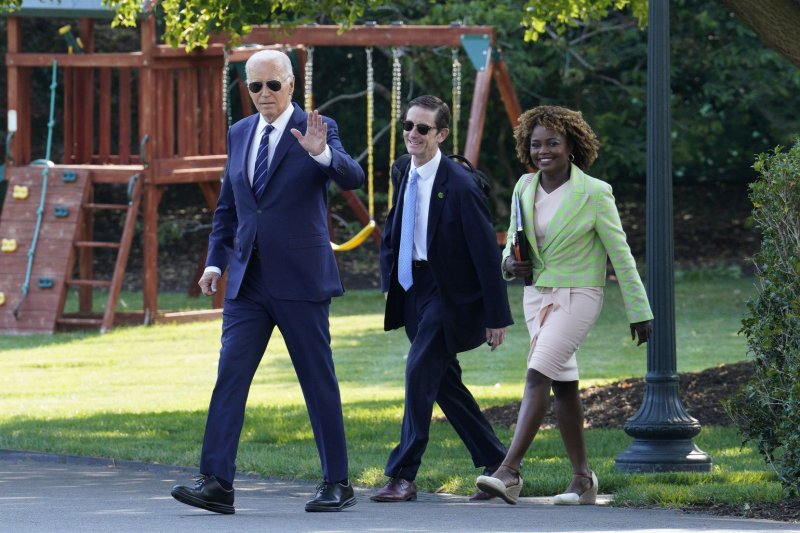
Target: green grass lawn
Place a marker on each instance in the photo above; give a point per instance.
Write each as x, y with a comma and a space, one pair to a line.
141, 393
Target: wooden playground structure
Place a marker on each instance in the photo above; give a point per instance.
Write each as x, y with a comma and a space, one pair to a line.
144, 121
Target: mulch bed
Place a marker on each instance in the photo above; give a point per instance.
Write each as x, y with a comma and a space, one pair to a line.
784, 511
611, 405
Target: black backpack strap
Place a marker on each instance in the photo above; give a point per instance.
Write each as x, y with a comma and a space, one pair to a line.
460, 159
479, 177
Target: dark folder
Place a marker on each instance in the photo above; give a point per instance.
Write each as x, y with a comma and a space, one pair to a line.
520, 241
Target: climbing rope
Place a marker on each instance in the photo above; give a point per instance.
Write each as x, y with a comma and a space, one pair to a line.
43, 196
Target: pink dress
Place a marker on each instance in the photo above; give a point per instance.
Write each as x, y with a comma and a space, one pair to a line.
558, 318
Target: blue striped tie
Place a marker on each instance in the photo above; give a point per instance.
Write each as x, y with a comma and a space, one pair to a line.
262, 163
404, 274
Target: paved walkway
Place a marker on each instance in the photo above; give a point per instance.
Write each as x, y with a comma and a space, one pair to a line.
42, 493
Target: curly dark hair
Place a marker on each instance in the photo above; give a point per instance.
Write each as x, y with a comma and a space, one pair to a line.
568, 123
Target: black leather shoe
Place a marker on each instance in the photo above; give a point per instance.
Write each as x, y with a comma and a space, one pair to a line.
332, 497
206, 494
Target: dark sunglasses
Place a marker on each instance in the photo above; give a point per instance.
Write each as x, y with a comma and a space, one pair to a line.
423, 129
256, 86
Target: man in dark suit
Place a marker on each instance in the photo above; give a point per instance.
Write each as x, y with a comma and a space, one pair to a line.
270, 231
440, 270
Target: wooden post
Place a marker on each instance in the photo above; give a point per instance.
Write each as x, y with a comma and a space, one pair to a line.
507, 93
152, 198
83, 118
84, 113
17, 95
477, 114
152, 193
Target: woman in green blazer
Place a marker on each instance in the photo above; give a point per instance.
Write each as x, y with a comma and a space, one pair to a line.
570, 227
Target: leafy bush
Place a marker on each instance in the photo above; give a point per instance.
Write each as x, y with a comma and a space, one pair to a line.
767, 410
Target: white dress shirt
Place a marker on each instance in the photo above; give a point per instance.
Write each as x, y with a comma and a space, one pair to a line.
280, 124
427, 173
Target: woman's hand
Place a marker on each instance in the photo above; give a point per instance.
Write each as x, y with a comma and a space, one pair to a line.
518, 269
643, 329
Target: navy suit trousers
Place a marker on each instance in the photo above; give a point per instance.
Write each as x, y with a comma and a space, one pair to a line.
247, 324
434, 375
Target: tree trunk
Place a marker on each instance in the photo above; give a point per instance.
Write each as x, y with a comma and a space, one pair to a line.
775, 21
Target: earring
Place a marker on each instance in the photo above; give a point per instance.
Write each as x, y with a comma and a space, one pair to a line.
571, 157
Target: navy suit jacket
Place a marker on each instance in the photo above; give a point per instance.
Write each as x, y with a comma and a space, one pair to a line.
289, 223
463, 256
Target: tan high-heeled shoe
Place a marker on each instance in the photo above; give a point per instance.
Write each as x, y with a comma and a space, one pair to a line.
496, 487
587, 497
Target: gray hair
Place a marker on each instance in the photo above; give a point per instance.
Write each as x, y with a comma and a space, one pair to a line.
278, 57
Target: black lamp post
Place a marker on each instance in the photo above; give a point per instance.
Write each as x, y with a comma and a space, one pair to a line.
661, 428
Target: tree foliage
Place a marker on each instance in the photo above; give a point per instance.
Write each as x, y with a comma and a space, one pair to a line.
767, 411
192, 22
537, 15
723, 112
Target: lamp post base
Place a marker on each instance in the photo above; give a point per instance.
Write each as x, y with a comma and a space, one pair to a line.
657, 455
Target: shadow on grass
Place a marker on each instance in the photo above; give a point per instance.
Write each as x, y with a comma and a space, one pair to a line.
24, 342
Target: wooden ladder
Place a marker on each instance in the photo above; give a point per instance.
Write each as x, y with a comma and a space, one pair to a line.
83, 248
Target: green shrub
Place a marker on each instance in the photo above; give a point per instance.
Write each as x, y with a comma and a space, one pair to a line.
767, 410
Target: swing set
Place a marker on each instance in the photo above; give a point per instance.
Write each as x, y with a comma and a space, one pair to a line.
164, 102
476, 41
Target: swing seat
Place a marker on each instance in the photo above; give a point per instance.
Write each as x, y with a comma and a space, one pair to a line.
356, 240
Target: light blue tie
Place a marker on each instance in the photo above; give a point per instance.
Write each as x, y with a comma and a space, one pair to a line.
404, 274
262, 163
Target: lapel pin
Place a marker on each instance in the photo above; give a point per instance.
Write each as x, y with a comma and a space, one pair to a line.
441, 195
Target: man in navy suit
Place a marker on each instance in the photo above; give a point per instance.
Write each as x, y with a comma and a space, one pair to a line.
270, 231
442, 282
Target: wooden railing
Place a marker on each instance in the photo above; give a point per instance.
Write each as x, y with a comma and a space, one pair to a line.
102, 106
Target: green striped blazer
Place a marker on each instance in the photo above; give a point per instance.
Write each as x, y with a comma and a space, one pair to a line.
584, 232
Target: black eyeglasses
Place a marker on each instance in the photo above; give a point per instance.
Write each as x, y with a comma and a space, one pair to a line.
256, 86
423, 129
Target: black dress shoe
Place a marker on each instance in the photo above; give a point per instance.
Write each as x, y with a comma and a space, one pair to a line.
206, 494
332, 497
